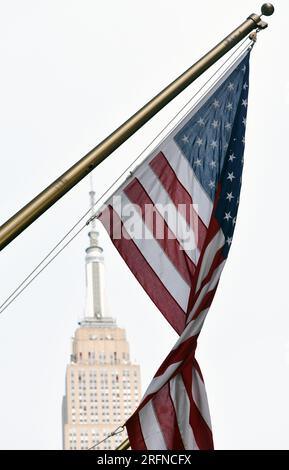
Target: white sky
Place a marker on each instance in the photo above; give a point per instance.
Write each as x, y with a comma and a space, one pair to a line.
71, 72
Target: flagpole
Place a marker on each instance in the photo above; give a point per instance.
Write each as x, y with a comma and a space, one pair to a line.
124, 445
37, 206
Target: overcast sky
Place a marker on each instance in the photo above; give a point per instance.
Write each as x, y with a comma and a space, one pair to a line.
71, 72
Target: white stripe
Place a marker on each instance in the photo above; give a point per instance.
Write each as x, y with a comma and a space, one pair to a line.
152, 252
182, 408
215, 244
185, 174
200, 397
150, 427
207, 287
158, 382
166, 207
193, 328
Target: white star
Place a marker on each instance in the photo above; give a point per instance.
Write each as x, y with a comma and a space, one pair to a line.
244, 121
199, 141
213, 164
228, 126
229, 240
230, 196
245, 86
201, 122
198, 162
215, 123
227, 216
229, 106
245, 103
231, 86
216, 104
232, 157
234, 220
231, 176
211, 184
243, 140
214, 144
244, 68
185, 139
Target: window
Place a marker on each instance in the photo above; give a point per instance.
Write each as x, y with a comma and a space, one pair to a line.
101, 358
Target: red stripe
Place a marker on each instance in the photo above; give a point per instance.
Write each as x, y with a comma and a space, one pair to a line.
160, 230
198, 369
142, 270
202, 433
179, 196
179, 354
211, 232
166, 415
217, 260
134, 432
185, 352
205, 302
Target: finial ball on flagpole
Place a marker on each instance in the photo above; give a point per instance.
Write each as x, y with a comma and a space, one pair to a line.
267, 9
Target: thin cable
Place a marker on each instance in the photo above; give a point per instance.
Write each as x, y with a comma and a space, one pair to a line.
45, 258
118, 430
39, 272
16, 291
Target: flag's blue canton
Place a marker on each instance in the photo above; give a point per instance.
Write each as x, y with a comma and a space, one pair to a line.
231, 178
213, 142
205, 138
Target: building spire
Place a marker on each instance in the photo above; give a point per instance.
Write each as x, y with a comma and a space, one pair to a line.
92, 202
95, 307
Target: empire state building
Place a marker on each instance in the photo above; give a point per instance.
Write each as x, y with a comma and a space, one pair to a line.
102, 384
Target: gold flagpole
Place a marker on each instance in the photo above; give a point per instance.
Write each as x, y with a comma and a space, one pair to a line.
124, 445
29, 213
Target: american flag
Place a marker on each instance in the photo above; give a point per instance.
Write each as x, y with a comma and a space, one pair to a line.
172, 221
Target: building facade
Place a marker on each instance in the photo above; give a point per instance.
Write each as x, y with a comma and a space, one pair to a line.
102, 384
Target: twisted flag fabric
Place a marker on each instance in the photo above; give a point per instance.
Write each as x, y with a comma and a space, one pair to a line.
172, 221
